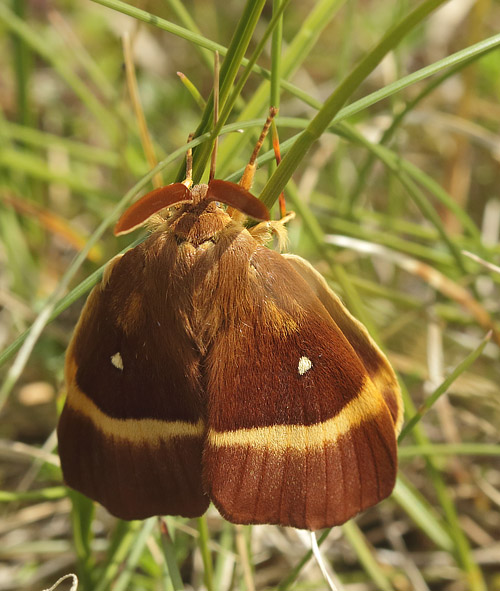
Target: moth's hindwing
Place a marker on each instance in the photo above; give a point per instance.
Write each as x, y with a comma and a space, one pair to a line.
131, 433
301, 427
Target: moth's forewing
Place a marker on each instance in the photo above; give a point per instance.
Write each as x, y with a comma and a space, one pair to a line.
149, 204
237, 197
374, 360
299, 434
131, 432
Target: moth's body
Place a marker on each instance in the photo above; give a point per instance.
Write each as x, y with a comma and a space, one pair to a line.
207, 367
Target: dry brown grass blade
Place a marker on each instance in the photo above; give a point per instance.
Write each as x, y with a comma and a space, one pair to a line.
147, 144
434, 278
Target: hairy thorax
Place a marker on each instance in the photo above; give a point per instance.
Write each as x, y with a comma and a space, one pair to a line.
203, 257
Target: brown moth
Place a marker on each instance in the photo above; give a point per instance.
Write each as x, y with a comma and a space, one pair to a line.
207, 367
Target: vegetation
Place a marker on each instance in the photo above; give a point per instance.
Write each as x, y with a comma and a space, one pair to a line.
390, 141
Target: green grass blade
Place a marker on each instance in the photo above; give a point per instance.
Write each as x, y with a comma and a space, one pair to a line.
449, 449
479, 49
232, 62
32, 39
443, 388
415, 193
242, 79
23, 61
399, 118
365, 556
320, 16
420, 511
336, 100
43, 139
276, 50
122, 583
44, 494
82, 515
123, 540
168, 549
182, 13
461, 547
205, 553
290, 579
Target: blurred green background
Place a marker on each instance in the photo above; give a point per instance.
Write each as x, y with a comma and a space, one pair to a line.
396, 188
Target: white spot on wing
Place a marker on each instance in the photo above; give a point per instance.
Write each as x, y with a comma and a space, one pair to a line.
305, 365
117, 361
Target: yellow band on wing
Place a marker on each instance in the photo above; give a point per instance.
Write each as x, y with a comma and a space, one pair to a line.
150, 431
386, 383
278, 438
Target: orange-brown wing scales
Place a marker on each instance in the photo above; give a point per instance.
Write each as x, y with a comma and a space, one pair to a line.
132, 479
132, 430
372, 357
309, 488
303, 437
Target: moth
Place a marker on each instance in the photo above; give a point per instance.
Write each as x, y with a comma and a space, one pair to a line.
206, 367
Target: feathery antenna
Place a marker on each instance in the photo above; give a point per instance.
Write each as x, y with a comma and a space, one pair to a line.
247, 178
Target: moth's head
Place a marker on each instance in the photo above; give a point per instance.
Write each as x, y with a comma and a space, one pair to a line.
197, 198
